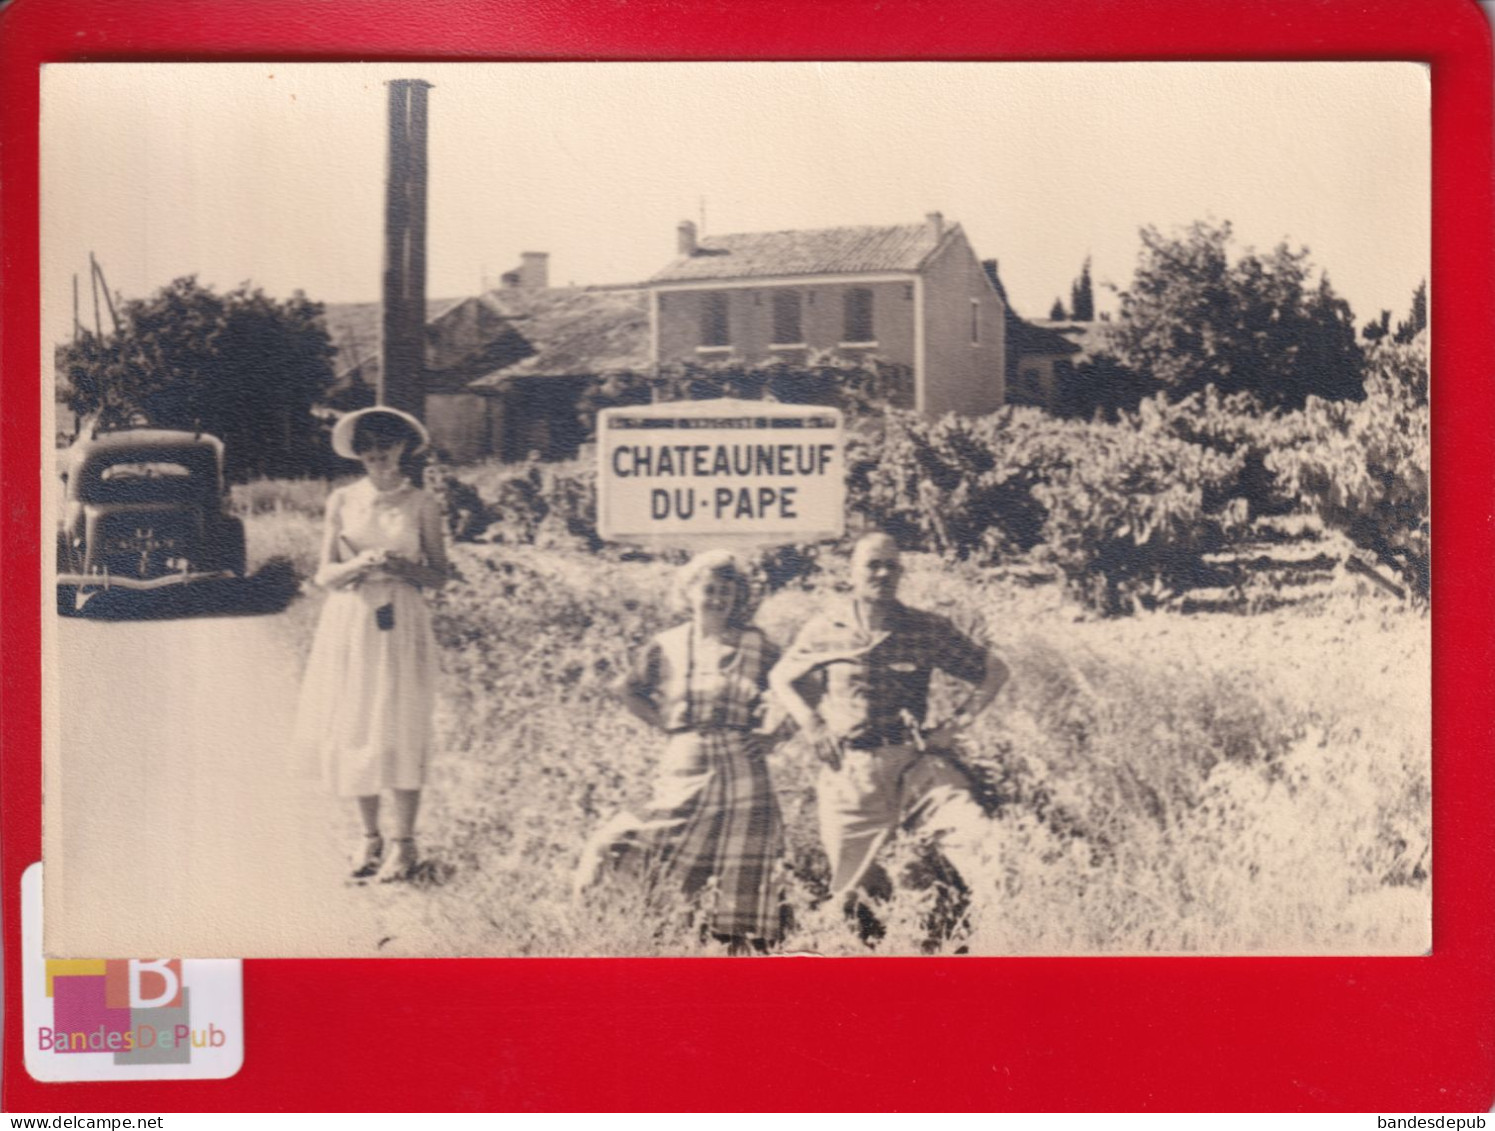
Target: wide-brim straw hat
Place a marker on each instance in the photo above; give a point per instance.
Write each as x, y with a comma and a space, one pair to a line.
342, 431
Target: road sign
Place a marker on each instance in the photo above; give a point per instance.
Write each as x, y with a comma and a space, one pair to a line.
720, 472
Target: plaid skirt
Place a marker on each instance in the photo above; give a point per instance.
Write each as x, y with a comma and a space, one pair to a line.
712, 831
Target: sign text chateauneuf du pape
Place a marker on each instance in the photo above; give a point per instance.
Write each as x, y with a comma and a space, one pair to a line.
696, 472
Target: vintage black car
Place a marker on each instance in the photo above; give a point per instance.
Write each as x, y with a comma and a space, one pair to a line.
146, 509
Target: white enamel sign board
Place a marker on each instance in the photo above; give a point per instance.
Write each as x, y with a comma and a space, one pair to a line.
721, 472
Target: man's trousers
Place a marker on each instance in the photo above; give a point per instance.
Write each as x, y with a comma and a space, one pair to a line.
877, 791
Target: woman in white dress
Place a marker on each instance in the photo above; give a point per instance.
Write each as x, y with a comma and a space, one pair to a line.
369, 692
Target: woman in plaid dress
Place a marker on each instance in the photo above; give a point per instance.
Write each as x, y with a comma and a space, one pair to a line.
712, 828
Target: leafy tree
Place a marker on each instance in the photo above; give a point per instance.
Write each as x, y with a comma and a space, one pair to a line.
1194, 318
1327, 361
239, 365
1375, 331
1082, 296
1417, 320
1056, 312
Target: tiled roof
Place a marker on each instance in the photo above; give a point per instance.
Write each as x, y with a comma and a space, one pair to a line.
520, 332
569, 331
1026, 338
1083, 339
827, 251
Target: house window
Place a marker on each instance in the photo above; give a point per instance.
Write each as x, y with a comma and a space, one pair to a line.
714, 330
975, 322
858, 316
787, 326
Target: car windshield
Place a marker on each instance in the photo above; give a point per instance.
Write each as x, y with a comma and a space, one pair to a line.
143, 477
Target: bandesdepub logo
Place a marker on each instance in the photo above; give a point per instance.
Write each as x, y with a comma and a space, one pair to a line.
136, 1009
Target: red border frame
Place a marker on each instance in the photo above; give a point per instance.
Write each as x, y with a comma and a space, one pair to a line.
872, 1034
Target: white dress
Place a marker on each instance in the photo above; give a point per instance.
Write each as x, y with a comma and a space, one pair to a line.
369, 692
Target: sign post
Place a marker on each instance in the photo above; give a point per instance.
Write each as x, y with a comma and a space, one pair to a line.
720, 473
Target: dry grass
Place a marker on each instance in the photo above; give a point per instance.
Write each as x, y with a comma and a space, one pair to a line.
283, 524
1167, 784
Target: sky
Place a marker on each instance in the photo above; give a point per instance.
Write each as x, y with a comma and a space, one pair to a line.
273, 174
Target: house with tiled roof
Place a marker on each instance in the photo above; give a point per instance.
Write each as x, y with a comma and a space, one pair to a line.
504, 369
913, 295
1062, 367
1041, 362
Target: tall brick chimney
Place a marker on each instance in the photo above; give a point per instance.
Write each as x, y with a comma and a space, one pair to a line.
402, 345
686, 237
936, 222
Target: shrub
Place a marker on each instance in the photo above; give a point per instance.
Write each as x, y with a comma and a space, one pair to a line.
959, 486
467, 515
781, 566
1235, 423
1364, 466
521, 504
1125, 511
1129, 523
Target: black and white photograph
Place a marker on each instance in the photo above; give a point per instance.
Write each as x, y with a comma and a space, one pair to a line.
1045, 571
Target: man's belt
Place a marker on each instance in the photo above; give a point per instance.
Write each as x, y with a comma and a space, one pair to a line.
878, 739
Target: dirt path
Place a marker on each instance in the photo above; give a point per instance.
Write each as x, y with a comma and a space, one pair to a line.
179, 821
